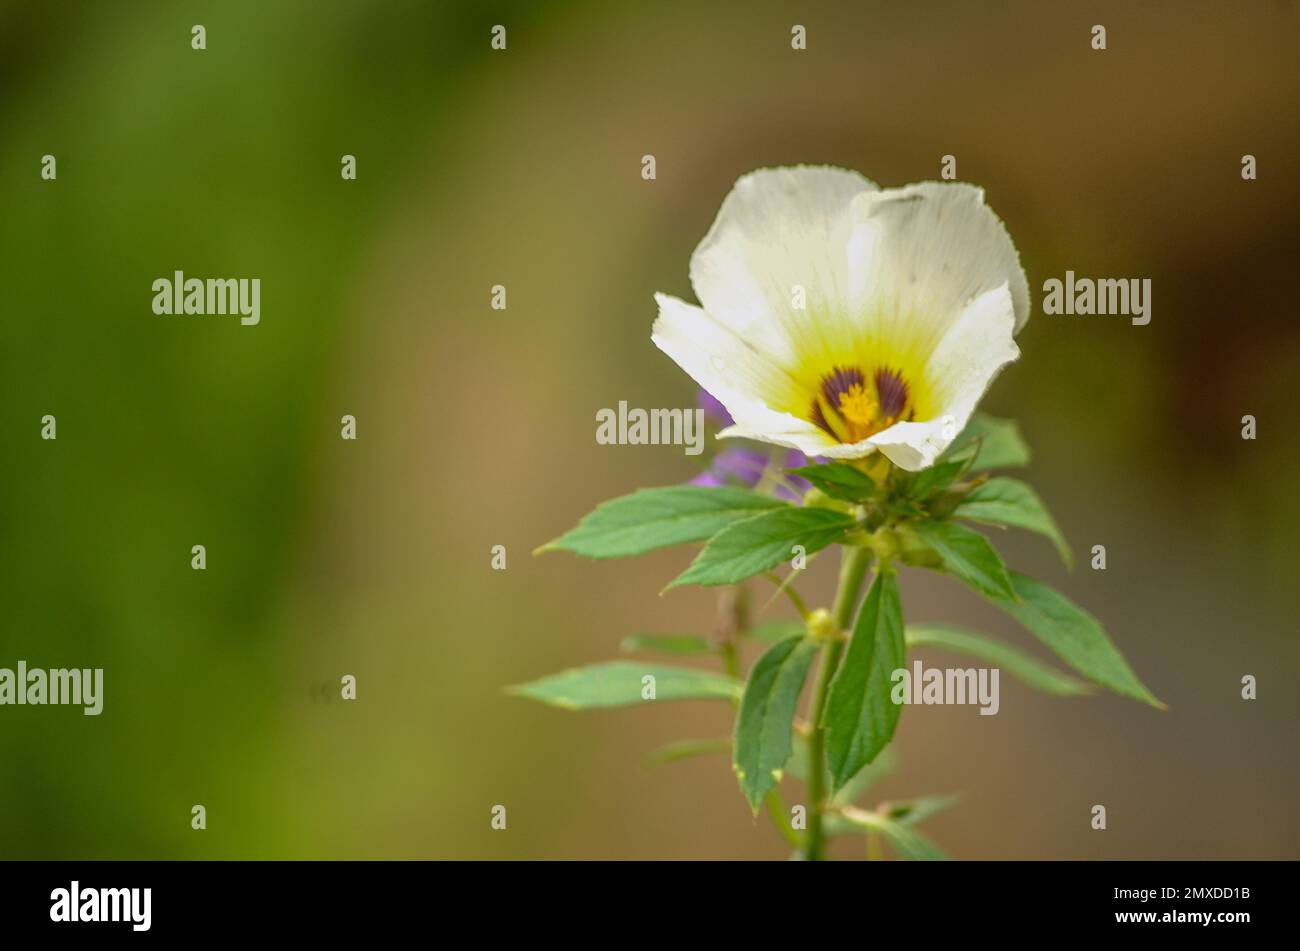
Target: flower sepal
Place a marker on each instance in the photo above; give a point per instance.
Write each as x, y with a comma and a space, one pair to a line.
815, 498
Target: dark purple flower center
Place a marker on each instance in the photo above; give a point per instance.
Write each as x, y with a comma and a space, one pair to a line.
850, 408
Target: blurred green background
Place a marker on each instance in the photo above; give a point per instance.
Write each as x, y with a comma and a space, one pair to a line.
476, 427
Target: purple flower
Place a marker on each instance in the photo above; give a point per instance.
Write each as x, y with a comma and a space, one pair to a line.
742, 463
714, 411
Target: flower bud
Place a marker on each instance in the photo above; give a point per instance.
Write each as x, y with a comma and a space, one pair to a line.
821, 626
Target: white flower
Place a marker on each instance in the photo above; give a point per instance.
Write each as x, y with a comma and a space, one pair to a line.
912, 297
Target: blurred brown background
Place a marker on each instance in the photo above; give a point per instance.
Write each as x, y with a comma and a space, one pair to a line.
476, 427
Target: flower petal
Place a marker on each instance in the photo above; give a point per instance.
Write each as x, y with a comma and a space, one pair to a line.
743, 378
714, 411
920, 256
977, 345
780, 228
794, 433
741, 375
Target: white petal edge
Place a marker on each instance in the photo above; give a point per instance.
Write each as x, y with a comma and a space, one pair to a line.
922, 254
805, 437
780, 228
744, 378
967, 360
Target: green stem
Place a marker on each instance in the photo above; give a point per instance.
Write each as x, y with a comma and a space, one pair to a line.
730, 659
785, 587
853, 568
732, 624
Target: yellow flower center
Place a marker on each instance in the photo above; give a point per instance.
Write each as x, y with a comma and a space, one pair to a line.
850, 407
857, 407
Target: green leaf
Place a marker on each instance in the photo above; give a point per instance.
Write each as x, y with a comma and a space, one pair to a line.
1000, 444
839, 480
1076, 636
968, 556
772, 631
657, 518
866, 777
756, 544
668, 644
860, 715
912, 812
766, 717
1005, 501
936, 478
685, 749
799, 759
906, 841
1011, 659
620, 684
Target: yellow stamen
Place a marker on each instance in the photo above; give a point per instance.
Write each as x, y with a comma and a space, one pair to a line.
857, 407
